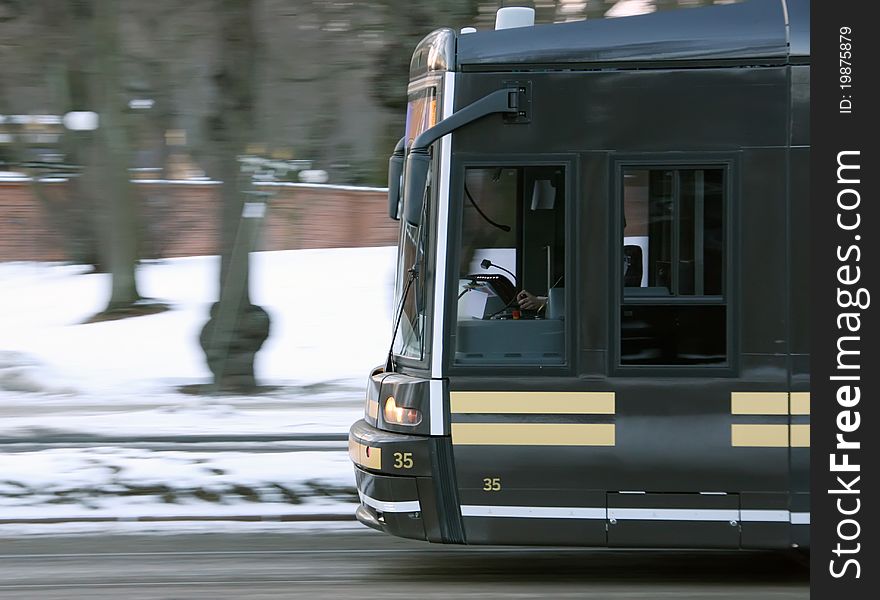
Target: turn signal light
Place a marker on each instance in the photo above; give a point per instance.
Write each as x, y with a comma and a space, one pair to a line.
401, 415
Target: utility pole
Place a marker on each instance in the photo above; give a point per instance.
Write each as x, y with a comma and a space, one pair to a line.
237, 328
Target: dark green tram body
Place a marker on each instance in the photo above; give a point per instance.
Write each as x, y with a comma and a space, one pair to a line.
668, 413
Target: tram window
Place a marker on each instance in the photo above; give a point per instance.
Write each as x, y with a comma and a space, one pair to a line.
512, 239
674, 309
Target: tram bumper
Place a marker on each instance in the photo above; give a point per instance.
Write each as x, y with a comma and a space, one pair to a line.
401, 517
394, 478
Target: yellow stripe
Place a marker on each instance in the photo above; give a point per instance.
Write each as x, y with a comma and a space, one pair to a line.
358, 454
800, 403
533, 434
759, 436
556, 403
759, 403
800, 436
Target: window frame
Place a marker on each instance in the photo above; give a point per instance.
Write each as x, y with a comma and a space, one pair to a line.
729, 163
460, 164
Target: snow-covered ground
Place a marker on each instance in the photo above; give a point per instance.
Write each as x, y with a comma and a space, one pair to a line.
331, 313
129, 483
330, 310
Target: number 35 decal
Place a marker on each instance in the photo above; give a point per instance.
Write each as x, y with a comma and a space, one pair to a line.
403, 460
491, 484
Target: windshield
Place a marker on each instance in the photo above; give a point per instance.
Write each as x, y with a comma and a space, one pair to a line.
421, 114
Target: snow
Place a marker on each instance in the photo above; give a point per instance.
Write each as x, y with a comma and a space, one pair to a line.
330, 310
214, 417
129, 483
73, 468
128, 527
331, 313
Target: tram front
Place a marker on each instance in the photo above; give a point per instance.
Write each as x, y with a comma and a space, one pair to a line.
401, 448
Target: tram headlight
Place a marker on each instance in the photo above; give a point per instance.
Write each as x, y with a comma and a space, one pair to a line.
401, 415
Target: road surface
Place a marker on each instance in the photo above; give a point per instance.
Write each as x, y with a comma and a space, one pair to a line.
363, 564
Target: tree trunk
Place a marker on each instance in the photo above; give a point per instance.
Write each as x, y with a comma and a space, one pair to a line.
113, 159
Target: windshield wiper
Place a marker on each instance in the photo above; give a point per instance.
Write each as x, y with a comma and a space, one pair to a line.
413, 272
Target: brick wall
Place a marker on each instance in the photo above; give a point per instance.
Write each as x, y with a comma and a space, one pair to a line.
183, 220
328, 218
26, 232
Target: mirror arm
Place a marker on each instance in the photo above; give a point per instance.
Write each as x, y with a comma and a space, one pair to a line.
418, 162
505, 100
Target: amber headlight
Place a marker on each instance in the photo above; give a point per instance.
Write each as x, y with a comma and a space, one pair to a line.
401, 415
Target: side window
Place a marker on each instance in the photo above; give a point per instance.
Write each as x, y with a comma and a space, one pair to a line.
674, 301
511, 265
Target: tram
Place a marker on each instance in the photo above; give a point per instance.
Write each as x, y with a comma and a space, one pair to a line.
644, 180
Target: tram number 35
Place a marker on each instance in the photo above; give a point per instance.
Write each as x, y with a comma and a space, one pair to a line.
491, 484
403, 460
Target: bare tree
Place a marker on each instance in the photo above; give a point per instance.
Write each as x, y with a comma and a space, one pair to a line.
44, 73
73, 57
113, 156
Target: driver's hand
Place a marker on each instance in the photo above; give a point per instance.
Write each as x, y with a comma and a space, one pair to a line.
529, 301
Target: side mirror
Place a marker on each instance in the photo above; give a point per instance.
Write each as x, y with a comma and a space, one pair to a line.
415, 182
395, 171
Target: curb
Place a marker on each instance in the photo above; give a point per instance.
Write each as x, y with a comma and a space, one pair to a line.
179, 518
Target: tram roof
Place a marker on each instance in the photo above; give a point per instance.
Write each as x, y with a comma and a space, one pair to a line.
750, 30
